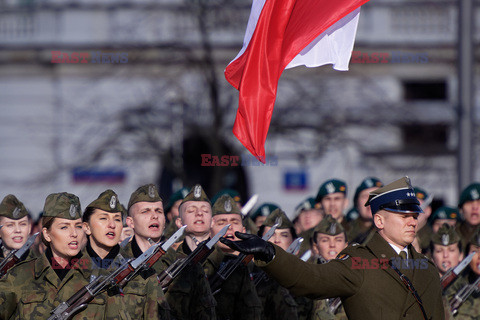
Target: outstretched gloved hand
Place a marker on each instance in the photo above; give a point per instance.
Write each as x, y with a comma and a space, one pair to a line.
252, 244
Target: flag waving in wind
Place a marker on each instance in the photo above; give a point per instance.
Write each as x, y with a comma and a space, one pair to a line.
284, 34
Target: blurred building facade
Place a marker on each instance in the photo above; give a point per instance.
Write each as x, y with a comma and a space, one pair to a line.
114, 94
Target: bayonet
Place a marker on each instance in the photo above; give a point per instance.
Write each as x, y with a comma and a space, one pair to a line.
15, 255
249, 205
306, 255
125, 241
453, 273
295, 246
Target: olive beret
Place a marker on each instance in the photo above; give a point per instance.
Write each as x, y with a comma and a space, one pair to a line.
225, 205
446, 235
273, 218
146, 193
107, 201
62, 205
329, 226
12, 208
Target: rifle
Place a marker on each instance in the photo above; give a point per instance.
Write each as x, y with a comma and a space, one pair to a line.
199, 255
15, 255
118, 278
229, 267
463, 295
453, 273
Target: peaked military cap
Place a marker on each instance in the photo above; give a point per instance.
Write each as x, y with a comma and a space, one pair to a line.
232, 193
264, 210
275, 216
445, 213
331, 186
196, 194
12, 208
470, 193
396, 197
367, 183
476, 238
307, 204
107, 201
62, 205
177, 195
146, 193
329, 226
446, 235
225, 205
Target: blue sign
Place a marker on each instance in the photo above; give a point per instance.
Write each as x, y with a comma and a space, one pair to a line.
295, 179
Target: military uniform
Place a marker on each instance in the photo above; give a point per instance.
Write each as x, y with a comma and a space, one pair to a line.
465, 229
365, 277
470, 309
142, 297
33, 288
277, 302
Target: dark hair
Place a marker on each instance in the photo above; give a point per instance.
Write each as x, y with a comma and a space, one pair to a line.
87, 214
46, 223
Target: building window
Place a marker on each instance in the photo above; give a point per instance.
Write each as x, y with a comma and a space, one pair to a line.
425, 138
425, 90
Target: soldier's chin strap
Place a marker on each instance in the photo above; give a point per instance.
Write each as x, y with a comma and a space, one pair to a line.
410, 288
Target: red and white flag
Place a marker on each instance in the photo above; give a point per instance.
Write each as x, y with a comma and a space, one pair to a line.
284, 34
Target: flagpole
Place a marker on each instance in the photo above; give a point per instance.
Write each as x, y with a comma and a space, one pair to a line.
465, 92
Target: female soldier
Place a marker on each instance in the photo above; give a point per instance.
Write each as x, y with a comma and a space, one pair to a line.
142, 297
33, 288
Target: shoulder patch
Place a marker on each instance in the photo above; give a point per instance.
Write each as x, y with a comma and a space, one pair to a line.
342, 256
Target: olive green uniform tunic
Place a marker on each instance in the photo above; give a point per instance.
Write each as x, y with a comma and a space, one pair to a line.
32, 289
470, 309
367, 290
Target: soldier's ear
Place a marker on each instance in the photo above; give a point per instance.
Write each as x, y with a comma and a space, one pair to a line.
178, 222
129, 222
86, 228
45, 234
379, 220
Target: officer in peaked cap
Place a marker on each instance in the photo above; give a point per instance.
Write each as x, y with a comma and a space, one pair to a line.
469, 205
262, 213
442, 215
332, 196
446, 248
370, 278
362, 228
16, 225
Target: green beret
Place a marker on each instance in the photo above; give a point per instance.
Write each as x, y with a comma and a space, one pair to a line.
232, 193
264, 210
12, 208
62, 205
420, 193
146, 193
367, 183
307, 204
196, 194
446, 235
331, 186
273, 218
470, 193
107, 201
329, 226
445, 213
177, 195
225, 205
475, 240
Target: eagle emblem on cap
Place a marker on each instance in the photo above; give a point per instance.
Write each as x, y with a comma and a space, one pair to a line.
307, 205
330, 187
442, 215
197, 192
151, 191
184, 193
474, 194
73, 210
333, 228
16, 213
113, 202
369, 183
265, 211
228, 206
445, 239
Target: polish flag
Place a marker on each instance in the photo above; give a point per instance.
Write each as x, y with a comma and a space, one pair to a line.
284, 34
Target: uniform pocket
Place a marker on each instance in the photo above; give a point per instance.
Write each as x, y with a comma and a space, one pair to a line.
34, 303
